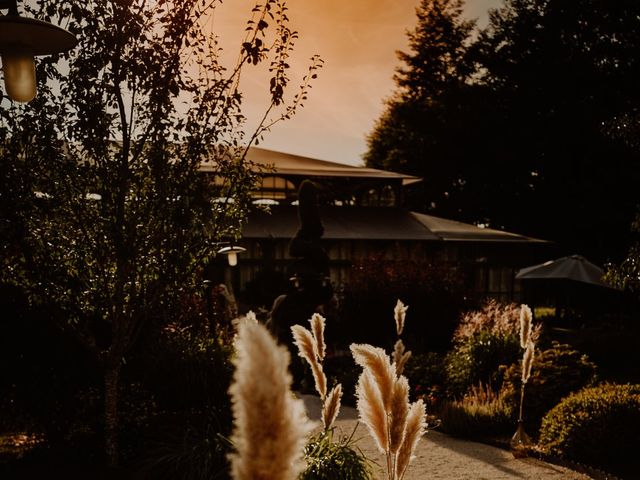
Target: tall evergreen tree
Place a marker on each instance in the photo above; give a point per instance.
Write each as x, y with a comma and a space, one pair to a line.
426, 116
563, 73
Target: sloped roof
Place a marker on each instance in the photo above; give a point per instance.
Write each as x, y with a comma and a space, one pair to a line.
373, 223
451, 230
296, 165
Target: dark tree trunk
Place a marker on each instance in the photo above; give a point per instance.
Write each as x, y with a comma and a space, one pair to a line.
111, 383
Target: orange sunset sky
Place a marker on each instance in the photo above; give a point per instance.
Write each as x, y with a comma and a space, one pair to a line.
357, 39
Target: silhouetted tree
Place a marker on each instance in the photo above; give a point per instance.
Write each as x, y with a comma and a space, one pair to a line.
513, 128
103, 204
420, 127
561, 72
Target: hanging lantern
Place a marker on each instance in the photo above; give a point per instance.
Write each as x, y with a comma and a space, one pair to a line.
22, 39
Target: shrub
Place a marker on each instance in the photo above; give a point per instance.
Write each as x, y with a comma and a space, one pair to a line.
425, 372
327, 459
598, 426
484, 341
480, 413
479, 359
557, 372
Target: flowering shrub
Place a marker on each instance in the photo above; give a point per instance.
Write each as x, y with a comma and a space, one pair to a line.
484, 341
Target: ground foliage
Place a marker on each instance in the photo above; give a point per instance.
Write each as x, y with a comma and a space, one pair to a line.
335, 459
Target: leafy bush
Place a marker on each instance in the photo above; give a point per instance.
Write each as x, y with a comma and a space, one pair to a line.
479, 359
480, 413
187, 371
329, 460
425, 372
598, 426
556, 372
484, 341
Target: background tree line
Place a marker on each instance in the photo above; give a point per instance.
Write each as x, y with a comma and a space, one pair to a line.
528, 124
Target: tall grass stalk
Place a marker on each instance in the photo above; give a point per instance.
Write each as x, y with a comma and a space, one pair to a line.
520, 439
270, 425
383, 406
312, 348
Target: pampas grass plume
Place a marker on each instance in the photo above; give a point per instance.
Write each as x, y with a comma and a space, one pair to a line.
307, 349
415, 429
317, 327
377, 362
400, 357
525, 325
399, 411
399, 313
331, 407
270, 425
371, 410
527, 361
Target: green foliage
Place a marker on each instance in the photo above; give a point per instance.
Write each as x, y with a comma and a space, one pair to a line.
481, 413
187, 372
484, 340
340, 460
597, 426
479, 359
556, 372
425, 372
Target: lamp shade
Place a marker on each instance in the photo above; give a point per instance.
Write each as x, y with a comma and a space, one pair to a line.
232, 254
22, 39
19, 76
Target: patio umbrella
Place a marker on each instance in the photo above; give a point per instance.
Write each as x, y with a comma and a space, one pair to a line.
573, 267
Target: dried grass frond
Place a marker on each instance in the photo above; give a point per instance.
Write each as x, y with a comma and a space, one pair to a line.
320, 379
399, 314
249, 317
371, 410
527, 361
493, 317
377, 362
400, 357
482, 394
270, 425
399, 411
415, 429
525, 325
317, 327
303, 339
331, 407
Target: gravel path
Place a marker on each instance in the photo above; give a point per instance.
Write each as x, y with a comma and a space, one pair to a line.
440, 456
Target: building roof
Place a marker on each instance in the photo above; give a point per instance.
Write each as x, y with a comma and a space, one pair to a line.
287, 164
374, 223
451, 231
